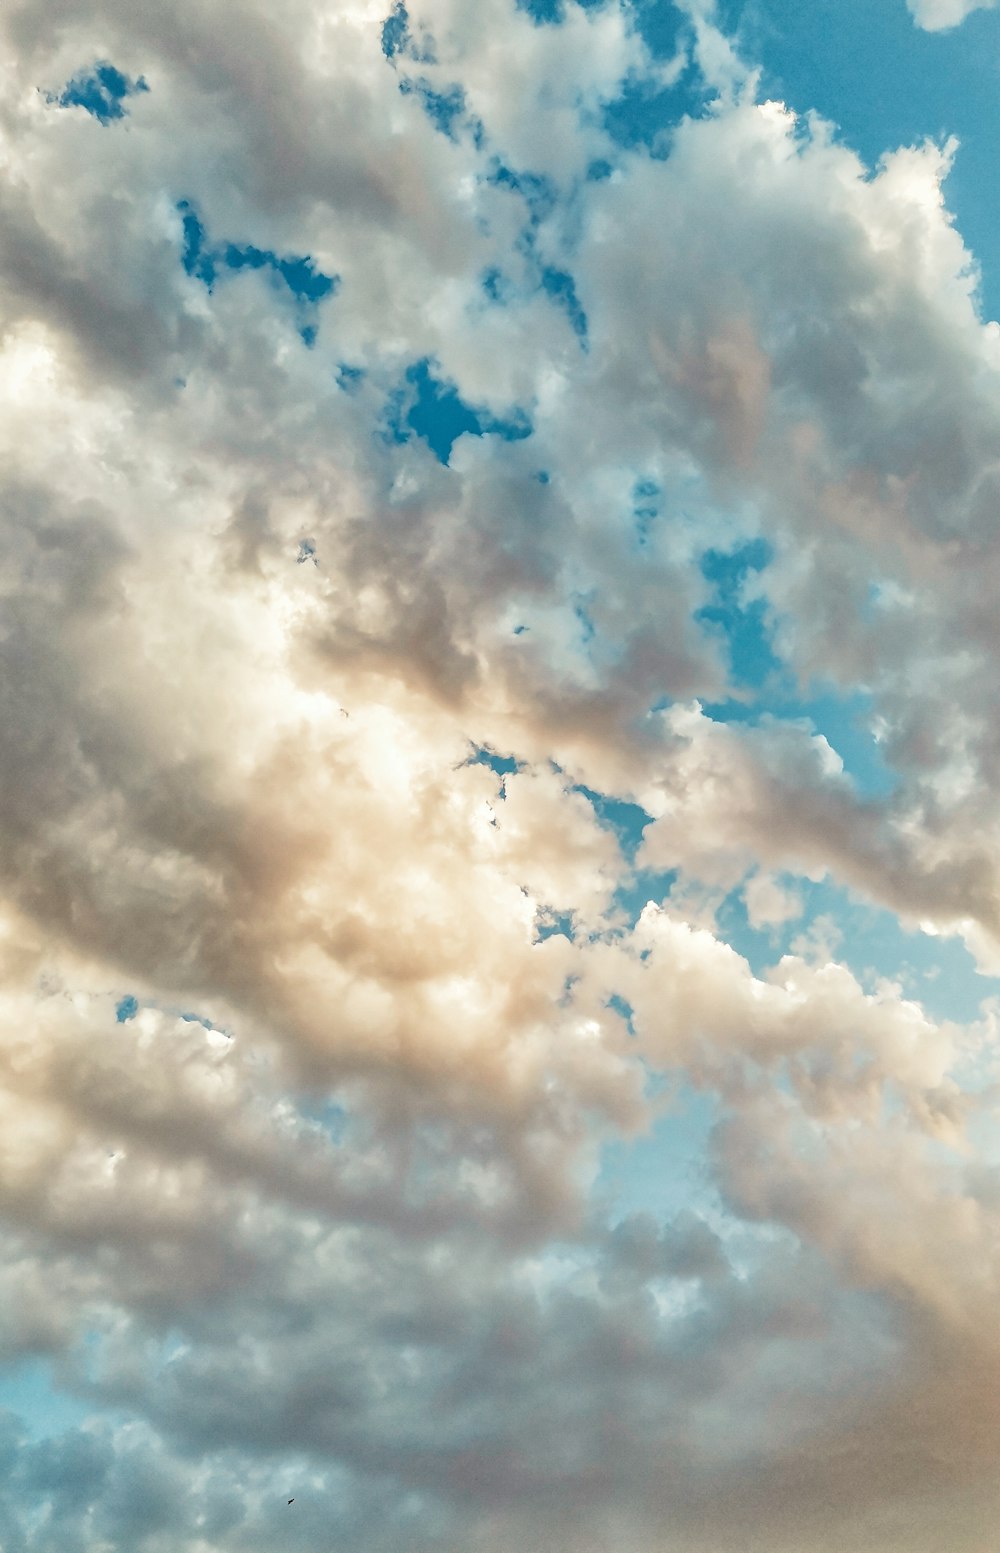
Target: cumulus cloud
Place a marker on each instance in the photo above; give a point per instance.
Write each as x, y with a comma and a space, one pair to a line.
360, 671
939, 15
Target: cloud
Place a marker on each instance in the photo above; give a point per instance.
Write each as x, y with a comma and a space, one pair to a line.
314, 1029
768, 903
939, 15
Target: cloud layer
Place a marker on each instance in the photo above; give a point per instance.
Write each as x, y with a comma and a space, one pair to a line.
384, 440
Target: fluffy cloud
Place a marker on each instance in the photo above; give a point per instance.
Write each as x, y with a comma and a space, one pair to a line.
359, 665
939, 15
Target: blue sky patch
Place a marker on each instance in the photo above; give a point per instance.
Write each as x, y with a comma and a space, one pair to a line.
535, 189
761, 947
741, 622
444, 109
433, 409
349, 378
330, 1116
644, 113
645, 507
495, 285
627, 820
844, 720
101, 91
28, 1389
398, 41
395, 31
542, 12
642, 886
556, 283
196, 257
295, 272
666, 1170
550, 923
300, 275
561, 287
623, 1008
663, 26
937, 972
502, 765
126, 1009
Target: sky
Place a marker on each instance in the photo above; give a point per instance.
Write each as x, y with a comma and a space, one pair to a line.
499, 756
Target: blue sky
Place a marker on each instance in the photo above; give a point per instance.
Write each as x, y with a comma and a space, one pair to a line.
499, 942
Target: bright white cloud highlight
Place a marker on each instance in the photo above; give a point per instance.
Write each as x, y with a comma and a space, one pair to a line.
939, 15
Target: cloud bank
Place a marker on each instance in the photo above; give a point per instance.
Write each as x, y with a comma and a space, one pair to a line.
433, 519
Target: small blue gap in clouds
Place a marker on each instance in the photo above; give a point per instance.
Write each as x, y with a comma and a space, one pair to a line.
644, 885
197, 261
435, 411
845, 722
395, 31
627, 820
741, 622
566, 998
307, 284
200, 1019
645, 114
101, 92
330, 1116
660, 23
438, 413
348, 377
667, 1170
623, 1009
645, 507
126, 1009
303, 279
502, 766
561, 287
542, 12
760, 947
535, 189
299, 274
495, 285
28, 1389
550, 924
443, 109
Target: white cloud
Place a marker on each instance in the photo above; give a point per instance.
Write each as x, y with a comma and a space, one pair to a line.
288, 1219
769, 903
939, 15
